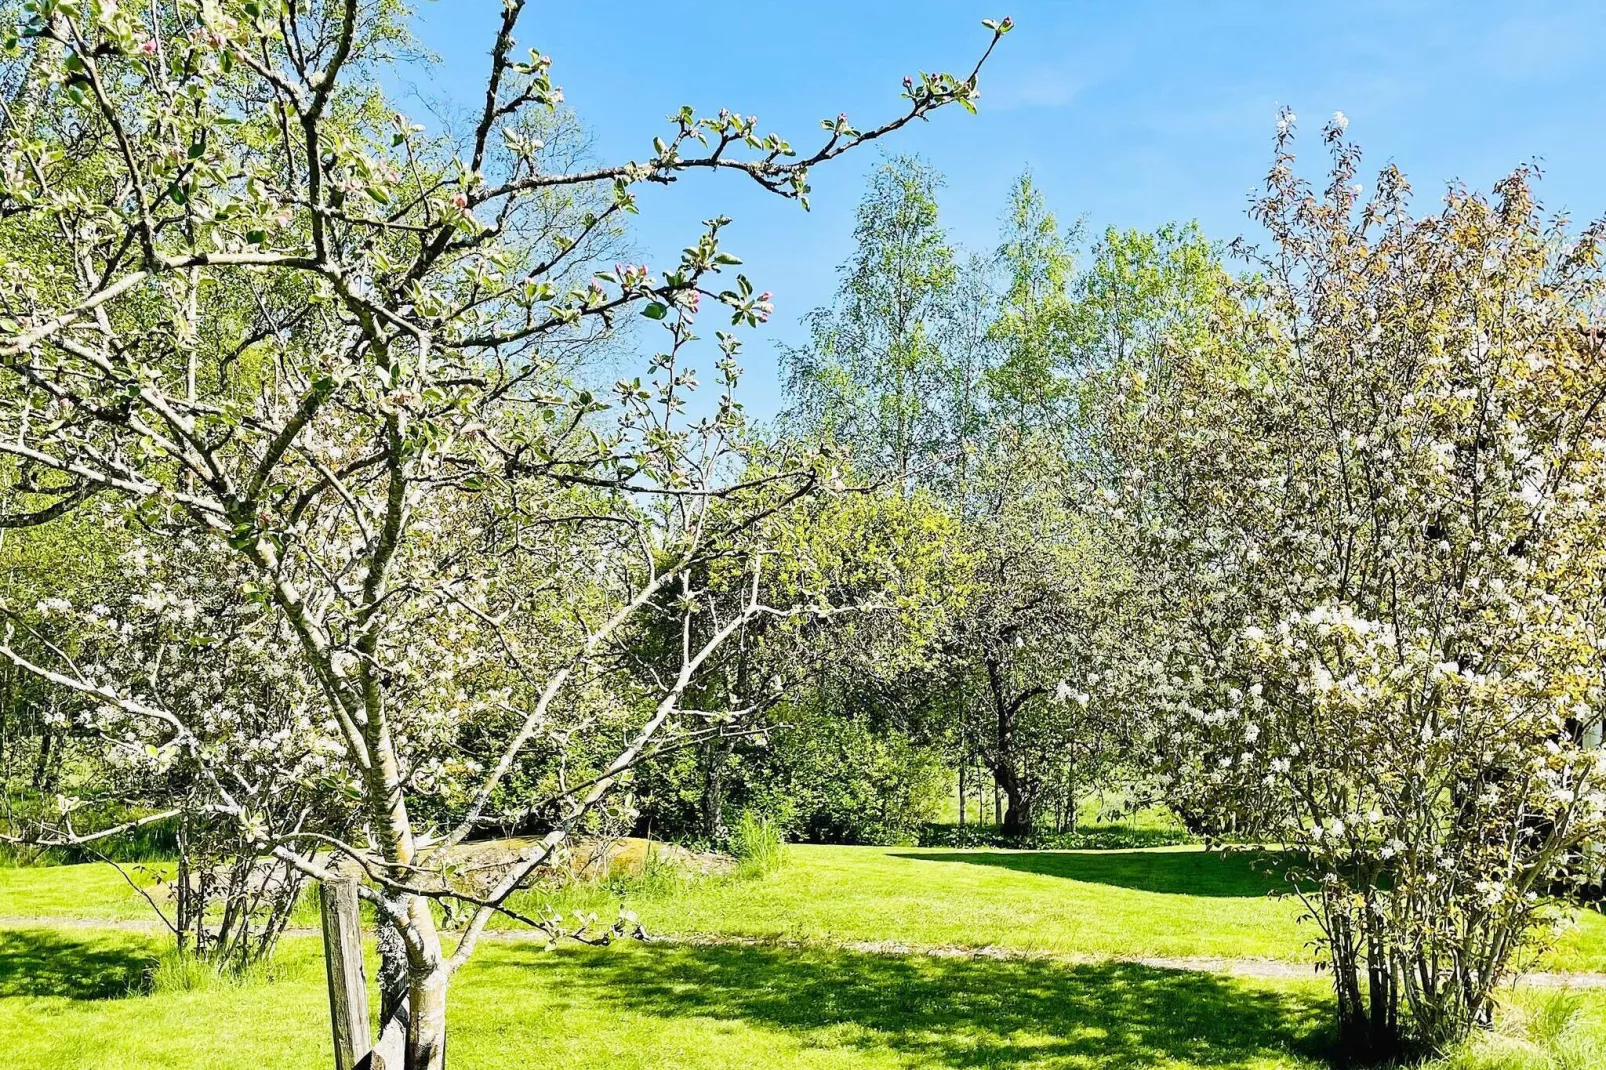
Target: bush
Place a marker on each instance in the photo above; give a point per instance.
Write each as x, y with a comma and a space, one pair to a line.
841, 781
825, 777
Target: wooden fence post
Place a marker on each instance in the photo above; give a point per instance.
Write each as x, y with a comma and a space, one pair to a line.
342, 954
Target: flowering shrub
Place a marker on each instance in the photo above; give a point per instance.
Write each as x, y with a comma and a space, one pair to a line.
1369, 511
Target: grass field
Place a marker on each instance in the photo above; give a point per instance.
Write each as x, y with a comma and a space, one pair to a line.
802, 993
1169, 902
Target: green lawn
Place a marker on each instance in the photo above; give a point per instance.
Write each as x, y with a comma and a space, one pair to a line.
70, 1000
93, 891
65, 1002
75, 997
1166, 902
1173, 902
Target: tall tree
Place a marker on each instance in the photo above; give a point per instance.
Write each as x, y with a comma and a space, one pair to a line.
876, 375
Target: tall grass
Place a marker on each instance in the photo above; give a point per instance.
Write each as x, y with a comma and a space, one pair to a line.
757, 845
1550, 1033
660, 877
183, 971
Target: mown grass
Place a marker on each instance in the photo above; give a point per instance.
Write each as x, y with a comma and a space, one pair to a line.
1159, 903
88, 998
93, 891
81, 1000
74, 1000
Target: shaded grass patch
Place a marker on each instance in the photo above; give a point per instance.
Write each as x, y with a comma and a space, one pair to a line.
1205, 873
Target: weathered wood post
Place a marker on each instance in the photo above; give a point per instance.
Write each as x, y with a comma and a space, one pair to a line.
342, 954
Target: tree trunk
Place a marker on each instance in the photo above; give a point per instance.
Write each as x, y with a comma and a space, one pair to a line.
426, 1021
963, 761
1017, 817
42, 769
714, 792
1018, 811
1070, 797
392, 971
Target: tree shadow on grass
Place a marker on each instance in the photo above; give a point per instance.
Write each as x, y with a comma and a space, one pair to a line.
44, 962
1206, 873
961, 1012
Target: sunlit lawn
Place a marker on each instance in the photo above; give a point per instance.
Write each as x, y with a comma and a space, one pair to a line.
65, 1002
1156, 903
1160, 902
76, 997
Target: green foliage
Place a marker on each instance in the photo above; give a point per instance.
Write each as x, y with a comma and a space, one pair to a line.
839, 780
1104, 837
877, 375
823, 776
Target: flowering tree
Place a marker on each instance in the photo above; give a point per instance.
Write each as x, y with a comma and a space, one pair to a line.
1373, 499
286, 333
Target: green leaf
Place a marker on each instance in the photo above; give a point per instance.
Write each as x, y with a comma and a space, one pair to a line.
657, 310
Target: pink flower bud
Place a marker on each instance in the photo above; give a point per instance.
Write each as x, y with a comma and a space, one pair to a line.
1008, 22
460, 199
148, 46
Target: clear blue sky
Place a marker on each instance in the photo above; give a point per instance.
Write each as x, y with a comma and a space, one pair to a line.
1128, 113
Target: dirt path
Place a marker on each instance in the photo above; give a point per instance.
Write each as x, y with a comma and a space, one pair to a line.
1266, 969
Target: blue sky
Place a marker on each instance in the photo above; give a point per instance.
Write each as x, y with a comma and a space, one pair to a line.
1129, 114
